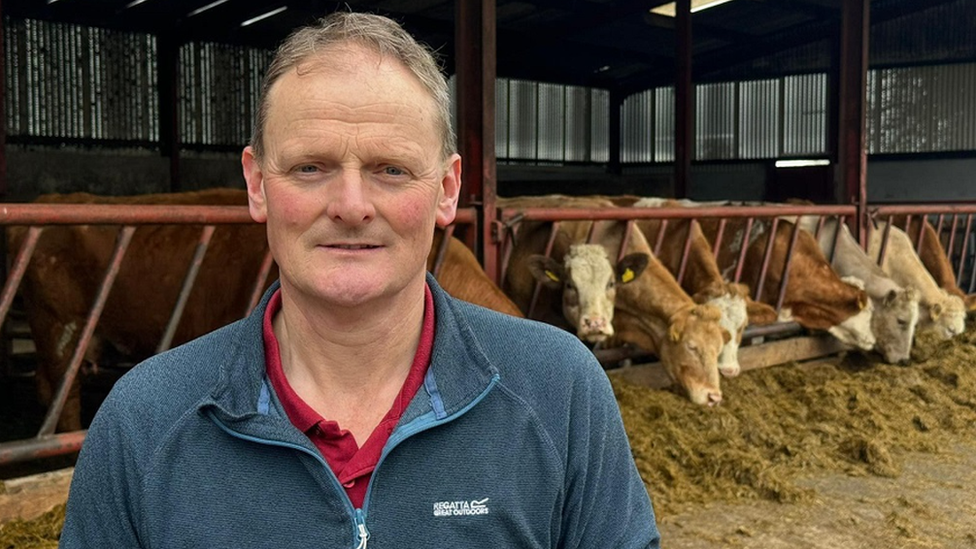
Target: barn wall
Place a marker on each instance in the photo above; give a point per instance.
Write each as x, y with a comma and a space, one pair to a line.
31, 172
921, 180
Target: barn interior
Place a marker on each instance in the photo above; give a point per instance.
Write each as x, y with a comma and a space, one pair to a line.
131, 97
861, 104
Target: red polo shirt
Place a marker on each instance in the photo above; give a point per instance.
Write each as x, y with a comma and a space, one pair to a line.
352, 464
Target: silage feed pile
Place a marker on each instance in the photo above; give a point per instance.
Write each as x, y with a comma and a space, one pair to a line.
42, 532
844, 414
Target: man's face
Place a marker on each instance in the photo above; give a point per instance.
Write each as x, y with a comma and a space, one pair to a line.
352, 181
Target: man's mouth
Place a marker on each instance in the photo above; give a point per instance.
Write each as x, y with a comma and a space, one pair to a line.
353, 246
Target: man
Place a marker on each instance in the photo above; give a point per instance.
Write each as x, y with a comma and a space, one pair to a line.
359, 404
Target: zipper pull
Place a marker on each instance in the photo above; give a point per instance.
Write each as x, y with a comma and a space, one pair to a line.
363, 533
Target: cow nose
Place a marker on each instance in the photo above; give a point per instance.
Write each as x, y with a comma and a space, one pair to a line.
593, 323
714, 398
904, 362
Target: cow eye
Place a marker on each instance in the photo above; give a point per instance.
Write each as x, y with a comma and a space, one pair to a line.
610, 284
902, 323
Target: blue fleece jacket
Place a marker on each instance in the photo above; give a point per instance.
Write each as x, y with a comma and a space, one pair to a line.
515, 440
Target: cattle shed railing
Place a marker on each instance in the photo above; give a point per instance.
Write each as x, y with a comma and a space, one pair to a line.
511, 218
951, 222
953, 229
953, 225
37, 217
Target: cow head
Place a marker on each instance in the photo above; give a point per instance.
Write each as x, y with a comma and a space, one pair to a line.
945, 316
856, 329
730, 300
893, 324
589, 284
690, 352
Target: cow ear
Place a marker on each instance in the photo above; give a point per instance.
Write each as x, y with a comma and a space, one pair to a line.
935, 310
631, 266
676, 328
546, 270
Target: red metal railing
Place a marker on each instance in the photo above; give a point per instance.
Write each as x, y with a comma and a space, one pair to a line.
128, 217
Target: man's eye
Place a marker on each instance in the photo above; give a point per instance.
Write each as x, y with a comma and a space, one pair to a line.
308, 169
393, 170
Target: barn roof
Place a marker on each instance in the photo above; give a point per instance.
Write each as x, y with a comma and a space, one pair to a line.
612, 44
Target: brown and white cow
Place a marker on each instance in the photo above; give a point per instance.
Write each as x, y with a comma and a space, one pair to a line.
896, 308
935, 258
941, 312
460, 274
702, 278
651, 312
62, 279
815, 297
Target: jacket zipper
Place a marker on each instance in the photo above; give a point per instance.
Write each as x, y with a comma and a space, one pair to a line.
359, 515
400, 435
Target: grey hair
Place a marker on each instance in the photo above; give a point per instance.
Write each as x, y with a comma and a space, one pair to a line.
379, 33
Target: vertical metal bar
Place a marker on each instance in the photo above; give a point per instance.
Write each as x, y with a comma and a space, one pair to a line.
952, 237
628, 231
884, 242
508, 243
553, 231
592, 232
442, 250
965, 245
57, 404
684, 254
908, 223
841, 220
938, 231
820, 225
743, 249
718, 237
770, 240
784, 280
921, 231
18, 269
660, 237
191, 275
259, 282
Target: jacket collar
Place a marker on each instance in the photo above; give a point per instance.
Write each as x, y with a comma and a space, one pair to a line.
242, 398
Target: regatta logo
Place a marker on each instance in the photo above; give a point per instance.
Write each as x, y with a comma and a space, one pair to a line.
461, 508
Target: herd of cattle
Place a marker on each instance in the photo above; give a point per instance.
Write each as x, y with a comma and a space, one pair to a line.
599, 279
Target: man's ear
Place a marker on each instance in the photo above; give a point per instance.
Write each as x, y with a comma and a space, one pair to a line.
254, 176
450, 191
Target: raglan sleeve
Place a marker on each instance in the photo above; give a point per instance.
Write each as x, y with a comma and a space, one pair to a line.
103, 501
607, 504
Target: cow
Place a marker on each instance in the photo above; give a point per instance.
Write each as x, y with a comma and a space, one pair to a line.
815, 297
702, 279
651, 312
934, 257
62, 279
896, 308
940, 312
587, 266
460, 274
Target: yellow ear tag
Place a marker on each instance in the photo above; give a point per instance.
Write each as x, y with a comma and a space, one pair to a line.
552, 276
627, 276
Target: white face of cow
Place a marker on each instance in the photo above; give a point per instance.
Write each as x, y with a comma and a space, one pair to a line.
946, 317
893, 324
589, 283
856, 330
733, 320
589, 291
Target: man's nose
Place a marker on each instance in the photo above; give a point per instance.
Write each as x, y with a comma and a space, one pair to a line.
349, 198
